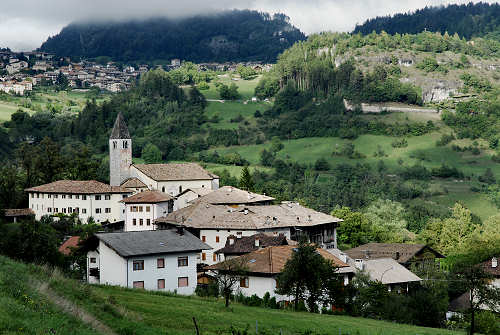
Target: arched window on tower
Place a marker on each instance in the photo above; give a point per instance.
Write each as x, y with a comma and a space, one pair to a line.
114, 144
125, 144
163, 189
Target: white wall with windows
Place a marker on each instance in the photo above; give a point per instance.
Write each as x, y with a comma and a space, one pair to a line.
140, 217
163, 272
102, 207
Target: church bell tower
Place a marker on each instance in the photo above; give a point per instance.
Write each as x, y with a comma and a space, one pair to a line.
120, 152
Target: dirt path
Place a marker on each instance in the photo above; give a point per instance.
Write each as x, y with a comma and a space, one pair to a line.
71, 308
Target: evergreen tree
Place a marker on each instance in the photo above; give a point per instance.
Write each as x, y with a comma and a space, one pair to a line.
246, 180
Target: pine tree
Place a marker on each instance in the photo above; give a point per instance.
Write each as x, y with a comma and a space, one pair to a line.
246, 180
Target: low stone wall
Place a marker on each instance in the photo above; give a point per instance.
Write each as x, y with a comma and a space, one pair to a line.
379, 108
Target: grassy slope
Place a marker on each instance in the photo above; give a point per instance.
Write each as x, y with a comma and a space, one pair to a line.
24, 311
138, 312
43, 98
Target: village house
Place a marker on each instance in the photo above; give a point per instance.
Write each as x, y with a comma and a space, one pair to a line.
153, 260
236, 247
262, 267
142, 209
404, 253
213, 223
85, 198
187, 196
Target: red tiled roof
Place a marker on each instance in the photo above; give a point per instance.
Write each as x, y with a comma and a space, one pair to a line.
147, 197
272, 260
69, 245
77, 187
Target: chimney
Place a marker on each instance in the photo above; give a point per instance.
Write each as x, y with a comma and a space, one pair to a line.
257, 242
246, 211
494, 262
359, 263
231, 241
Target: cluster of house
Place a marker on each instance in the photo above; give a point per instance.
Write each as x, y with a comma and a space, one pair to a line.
20, 75
174, 228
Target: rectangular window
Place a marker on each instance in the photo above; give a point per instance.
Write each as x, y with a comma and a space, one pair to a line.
98, 211
160, 263
239, 233
49, 195
214, 257
139, 265
134, 222
203, 256
32, 195
244, 282
203, 238
84, 210
77, 196
64, 210
148, 209
138, 284
98, 197
93, 260
140, 208
217, 239
182, 261
107, 197
84, 197
38, 195
134, 208
63, 196
148, 222
56, 210
56, 196
107, 210
141, 222
77, 210
182, 282
70, 210
70, 196
161, 284
49, 209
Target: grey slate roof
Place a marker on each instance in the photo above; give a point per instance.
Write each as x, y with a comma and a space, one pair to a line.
120, 130
389, 271
141, 243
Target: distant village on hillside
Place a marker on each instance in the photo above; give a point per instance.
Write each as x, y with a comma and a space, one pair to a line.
21, 72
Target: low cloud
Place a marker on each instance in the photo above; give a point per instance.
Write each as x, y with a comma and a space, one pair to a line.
25, 24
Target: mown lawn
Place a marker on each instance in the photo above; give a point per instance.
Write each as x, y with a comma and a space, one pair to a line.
231, 109
245, 87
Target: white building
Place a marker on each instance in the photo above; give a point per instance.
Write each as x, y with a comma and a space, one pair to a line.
263, 266
142, 209
154, 260
86, 198
187, 196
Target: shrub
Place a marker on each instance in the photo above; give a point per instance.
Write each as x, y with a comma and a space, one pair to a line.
321, 165
445, 139
400, 143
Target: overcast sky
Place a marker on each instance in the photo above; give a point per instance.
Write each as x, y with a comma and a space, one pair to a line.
25, 24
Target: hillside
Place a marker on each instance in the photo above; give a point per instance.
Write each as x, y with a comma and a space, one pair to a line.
33, 308
466, 20
228, 36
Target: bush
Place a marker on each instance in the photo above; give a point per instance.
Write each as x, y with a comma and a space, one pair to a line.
445, 171
321, 165
237, 119
445, 139
400, 143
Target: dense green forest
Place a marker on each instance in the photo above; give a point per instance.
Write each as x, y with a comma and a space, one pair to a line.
238, 35
467, 20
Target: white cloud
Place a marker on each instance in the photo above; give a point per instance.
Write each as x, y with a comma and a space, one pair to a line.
25, 24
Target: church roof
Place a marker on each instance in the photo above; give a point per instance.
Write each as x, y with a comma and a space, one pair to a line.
133, 183
120, 130
172, 171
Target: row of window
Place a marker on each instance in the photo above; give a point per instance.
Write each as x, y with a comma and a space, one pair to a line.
70, 210
141, 222
70, 196
140, 208
181, 282
204, 257
217, 239
138, 265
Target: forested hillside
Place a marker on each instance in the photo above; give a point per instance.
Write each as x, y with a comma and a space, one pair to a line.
228, 36
467, 20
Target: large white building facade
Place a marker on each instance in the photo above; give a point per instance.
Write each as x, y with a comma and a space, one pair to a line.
153, 260
88, 199
143, 208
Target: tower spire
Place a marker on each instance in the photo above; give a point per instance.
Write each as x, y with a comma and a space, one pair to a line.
120, 129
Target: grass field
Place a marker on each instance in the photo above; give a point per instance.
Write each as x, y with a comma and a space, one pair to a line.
231, 109
245, 87
26, 311
44, 99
